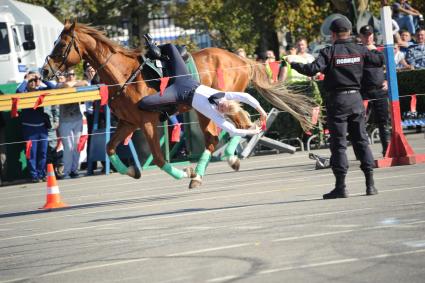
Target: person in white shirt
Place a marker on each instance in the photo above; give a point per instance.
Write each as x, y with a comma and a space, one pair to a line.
302, 56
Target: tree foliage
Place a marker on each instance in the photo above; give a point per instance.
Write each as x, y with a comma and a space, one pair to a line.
244, 23
231, 23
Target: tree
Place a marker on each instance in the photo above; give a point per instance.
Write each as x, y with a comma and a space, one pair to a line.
251, 23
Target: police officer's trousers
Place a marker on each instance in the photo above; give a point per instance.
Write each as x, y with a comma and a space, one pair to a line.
345, 113
378, 104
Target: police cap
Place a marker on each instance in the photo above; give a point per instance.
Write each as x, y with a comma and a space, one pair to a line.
366, 30
341, 25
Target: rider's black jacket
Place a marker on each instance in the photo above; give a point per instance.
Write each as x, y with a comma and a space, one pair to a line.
342, 64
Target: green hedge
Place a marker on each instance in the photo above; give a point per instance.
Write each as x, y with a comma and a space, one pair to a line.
411, 82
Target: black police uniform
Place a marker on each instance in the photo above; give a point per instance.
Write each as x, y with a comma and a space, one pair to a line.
373, 79
342, 64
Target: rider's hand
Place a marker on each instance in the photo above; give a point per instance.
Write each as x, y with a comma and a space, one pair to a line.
257, 130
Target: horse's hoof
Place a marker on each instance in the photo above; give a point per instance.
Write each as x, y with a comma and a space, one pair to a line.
196, 182
190, 172
234, 162
134, 172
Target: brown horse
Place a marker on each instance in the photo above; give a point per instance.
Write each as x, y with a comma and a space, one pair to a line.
116, 64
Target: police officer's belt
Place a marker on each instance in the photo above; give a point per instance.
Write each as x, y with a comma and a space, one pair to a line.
351, 91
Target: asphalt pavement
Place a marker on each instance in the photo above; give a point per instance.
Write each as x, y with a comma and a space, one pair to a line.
265, 223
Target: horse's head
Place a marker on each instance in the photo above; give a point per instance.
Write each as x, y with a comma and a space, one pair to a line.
65, 54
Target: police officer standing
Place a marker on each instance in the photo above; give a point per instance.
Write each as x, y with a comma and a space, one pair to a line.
374, 87
342, 64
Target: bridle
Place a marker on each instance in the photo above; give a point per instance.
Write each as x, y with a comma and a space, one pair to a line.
64, 55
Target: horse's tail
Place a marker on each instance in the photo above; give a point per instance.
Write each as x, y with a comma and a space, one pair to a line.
280, 96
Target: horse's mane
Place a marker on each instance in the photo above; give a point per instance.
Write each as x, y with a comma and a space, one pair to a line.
100, 36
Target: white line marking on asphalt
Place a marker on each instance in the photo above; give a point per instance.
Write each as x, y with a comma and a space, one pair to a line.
224, 278
313, 235
223, 187
415, 244
149, 174
177, 215
151, 188
248, 227
209, 250
341, 261
342, 225
85, 268
78, 269
390, 221
239, 246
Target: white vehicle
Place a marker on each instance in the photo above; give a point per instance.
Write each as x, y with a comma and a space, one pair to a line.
27, 35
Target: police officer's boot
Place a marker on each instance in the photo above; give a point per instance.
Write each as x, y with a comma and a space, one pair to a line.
339, 191
370, 184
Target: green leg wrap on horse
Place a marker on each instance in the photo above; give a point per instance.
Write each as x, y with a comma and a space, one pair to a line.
176, 173
203, 162
116, 161
231, 146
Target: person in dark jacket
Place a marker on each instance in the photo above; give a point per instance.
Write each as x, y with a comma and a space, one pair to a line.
343, 64
374, 88
35, 124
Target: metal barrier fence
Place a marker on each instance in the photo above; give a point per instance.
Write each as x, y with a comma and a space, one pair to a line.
163, 30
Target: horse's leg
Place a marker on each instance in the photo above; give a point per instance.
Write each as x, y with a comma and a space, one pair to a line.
211, 140
229, 153
123, 130
150, 130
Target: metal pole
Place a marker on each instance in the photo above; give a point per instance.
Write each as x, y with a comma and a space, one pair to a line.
107, 138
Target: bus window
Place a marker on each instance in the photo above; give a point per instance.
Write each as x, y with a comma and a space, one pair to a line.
4, 39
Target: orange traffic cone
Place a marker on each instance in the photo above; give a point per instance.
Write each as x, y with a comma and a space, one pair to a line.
53, 195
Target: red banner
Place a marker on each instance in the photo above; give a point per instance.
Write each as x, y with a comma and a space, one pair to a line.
365, 104
39, 100
413, 103
220, 79
103, 91
175, 134
82, 142
274, 67
315, 115
28, 149
14, 110
163, 85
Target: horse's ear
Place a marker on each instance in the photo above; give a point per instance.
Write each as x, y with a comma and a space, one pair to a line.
66, 22
72, 26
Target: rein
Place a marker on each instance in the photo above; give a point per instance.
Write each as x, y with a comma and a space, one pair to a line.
65, 55
130, 79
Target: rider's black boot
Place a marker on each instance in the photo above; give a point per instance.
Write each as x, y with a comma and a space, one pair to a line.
153, 52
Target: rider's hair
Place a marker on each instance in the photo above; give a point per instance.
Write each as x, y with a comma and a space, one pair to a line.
235, 109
